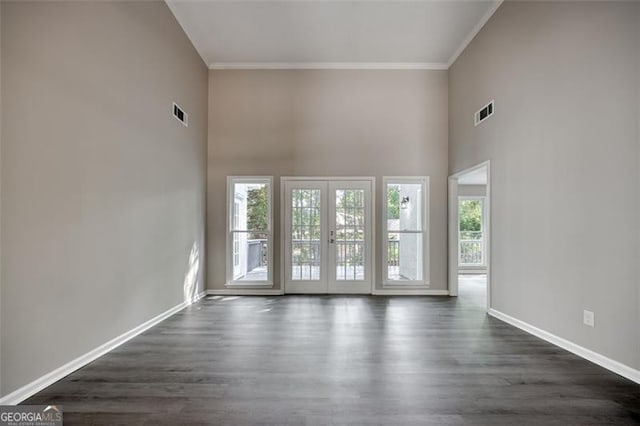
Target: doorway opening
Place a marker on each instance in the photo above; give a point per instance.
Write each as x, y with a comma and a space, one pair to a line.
469, 234
328, 235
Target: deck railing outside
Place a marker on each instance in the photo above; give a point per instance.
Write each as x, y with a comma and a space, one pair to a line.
471, 249
256, 254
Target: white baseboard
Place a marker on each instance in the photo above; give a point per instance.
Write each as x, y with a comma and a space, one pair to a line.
245, 292
601, 360
276, 292
50, 378
410, 292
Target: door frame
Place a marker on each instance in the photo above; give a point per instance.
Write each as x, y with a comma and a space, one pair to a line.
453, 227
283, 234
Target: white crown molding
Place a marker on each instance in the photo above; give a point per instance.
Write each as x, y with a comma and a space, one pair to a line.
474, 32
327, 66
599, 359
50, 378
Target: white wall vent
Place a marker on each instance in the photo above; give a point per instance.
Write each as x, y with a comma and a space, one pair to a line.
180, 115
484, 113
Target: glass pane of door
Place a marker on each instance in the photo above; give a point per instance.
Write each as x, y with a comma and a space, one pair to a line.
350, 234
305, 234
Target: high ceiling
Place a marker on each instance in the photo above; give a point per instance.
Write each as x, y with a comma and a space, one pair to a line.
331, 33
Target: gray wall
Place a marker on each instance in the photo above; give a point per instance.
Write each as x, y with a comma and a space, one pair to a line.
326, 123
563, 146
472, 190
103, 191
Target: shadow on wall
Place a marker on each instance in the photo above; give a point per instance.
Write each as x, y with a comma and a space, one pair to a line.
190, 286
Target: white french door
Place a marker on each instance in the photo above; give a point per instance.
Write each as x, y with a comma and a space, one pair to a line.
350, 243
328, 245
306, 234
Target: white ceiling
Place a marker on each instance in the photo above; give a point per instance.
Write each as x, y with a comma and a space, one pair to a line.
331, 33
474, 177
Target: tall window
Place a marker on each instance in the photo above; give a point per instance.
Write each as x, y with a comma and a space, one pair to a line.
405, 220
471, 232
249, 236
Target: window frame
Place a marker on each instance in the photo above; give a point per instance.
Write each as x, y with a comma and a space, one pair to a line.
231, 208
425, 232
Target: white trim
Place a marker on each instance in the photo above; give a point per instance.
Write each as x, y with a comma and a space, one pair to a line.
426, 231
474, 32
452, 235
50, 378
283, 254
601, 360
328, 66
373, 244
409, 292
244, 292
197, 297
249, 284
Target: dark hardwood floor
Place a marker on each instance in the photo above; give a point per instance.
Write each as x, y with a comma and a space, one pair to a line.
342, 360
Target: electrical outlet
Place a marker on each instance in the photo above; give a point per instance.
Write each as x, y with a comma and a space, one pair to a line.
589, 318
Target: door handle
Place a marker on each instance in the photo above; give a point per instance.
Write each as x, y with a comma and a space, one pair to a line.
331, 241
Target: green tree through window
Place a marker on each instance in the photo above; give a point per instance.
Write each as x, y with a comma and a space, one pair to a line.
393, 213
393, 203
257, 210
470, 212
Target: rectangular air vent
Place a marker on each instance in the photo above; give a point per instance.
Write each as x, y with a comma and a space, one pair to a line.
484, 113
180, 115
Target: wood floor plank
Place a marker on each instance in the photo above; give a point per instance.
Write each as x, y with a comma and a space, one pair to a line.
346, 360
